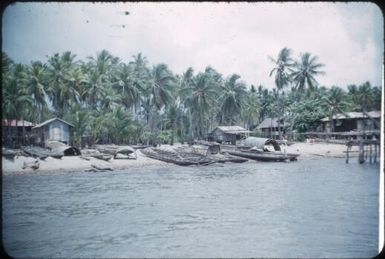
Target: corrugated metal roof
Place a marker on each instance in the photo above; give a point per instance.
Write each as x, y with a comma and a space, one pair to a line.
51, 120
232, 129
353, 115
269, 122
12, 123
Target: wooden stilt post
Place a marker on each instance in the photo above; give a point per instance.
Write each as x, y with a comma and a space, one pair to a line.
370, 151
361, 157
347, 154
375, 152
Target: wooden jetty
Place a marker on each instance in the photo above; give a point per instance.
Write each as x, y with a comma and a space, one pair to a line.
369, 149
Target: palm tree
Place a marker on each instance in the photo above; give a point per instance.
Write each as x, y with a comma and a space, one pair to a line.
232, 98
251, 108
158, 92
365, 96
16, 98
335, 102
199, 97
284, 64
127, 85
305, 72
60, 92
283, 68
36, 87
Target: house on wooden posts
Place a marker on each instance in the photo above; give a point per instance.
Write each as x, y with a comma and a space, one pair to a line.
228, 134
270, 127
53, 129
16, 133
352, 121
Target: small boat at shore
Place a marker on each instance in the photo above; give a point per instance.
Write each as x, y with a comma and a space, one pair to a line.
175, 158
265, 156
260, 149
42, 153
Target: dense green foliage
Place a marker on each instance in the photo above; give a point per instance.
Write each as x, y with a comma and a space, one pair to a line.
131, 102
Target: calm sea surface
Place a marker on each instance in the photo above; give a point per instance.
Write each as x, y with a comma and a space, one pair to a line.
310, 208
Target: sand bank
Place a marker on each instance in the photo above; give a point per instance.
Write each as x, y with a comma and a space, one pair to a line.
75, 163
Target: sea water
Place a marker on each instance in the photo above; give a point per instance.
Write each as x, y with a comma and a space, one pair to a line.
309, 208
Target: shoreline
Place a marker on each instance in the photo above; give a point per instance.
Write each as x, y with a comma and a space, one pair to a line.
76, 163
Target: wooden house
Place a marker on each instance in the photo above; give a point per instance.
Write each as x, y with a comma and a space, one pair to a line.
270, 127
53, 129
228, 134
352, 121
16, 132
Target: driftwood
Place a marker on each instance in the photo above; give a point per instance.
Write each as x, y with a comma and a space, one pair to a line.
87, 153
125, 152
101, 167
33, 165
10, 153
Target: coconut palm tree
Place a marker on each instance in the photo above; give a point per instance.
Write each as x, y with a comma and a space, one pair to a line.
305, 72
283, 68
36, 85
158, 93
251, 108
60, 92
232, 98
17, 100
126, 85
365, 97
199, 97
335, 102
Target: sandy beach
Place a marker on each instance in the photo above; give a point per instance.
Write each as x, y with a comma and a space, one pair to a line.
76, 163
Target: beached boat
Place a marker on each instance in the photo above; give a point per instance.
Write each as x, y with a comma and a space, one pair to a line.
176, 158
42, 153
262, 149
265, 155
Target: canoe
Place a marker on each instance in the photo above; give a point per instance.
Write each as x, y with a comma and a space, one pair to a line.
265, 156
42, 153
175, 158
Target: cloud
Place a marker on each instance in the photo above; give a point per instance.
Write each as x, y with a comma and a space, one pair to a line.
232, 38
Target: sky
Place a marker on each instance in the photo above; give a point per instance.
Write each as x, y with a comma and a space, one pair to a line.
230, 37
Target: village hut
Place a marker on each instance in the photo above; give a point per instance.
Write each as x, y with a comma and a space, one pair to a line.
352, 121
16, 132
53, 129
271, 127
228, 134
260, 143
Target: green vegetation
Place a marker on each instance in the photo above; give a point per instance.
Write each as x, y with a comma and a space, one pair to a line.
133, 102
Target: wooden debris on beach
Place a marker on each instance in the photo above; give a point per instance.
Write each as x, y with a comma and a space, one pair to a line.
118, 152
87, 153
33, 165
125, 152
10, 153
101, 167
